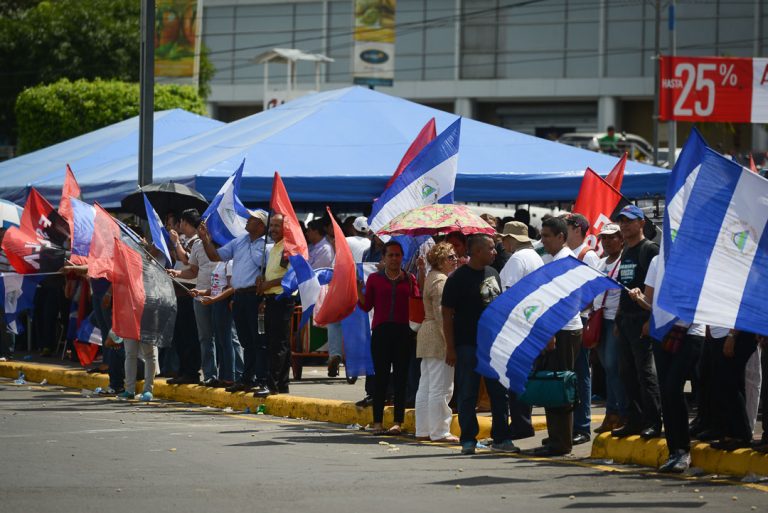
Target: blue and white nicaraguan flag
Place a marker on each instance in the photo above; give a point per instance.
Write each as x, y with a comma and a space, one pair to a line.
428, 179
160, 237
356, 331
18, 291
679, 187
226, 216
300, 276
717, 270
515, 327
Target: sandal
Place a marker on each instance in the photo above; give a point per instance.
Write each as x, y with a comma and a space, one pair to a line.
375, 431
448, 440
394, 431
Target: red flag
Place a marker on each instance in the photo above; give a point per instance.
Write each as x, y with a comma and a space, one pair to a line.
71, 188
28, 253
341, 299
86, 352
295, 243
752, 165
596, 201
128, 295
41, 219
426, 135
101, 253
616, 176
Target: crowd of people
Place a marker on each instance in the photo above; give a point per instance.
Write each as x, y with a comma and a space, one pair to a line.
233, 330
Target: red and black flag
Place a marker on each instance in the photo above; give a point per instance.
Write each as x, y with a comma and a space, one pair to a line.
143, 300
36, 246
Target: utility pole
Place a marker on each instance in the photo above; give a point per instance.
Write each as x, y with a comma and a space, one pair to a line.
672, 125
656, 90
146, 91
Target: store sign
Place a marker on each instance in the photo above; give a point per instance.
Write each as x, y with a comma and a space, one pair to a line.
373, 59
719, 89
177, 41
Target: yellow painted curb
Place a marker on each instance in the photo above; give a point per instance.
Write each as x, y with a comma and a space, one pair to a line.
653, 453
283, 405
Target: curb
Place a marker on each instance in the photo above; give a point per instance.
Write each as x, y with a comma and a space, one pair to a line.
653, 453
283, 405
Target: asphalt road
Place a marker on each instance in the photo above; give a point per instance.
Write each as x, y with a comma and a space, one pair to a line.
62, 452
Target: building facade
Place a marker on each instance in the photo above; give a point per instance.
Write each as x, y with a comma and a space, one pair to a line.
541, 67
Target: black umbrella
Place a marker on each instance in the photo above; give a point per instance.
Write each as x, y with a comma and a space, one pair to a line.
165, 197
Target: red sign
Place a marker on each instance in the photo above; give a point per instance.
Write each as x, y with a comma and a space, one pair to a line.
713, 89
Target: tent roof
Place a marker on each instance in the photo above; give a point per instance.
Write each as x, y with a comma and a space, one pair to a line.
343, 145
88, 153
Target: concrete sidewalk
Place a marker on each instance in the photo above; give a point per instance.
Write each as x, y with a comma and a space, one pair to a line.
317, 397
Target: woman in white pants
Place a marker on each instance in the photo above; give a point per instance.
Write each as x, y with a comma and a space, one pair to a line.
433, 415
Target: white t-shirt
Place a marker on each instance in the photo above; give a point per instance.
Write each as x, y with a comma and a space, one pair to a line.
358, 245
613, 296
575, 323
522, 263
590, 257
219, 277
650, 281
198, 257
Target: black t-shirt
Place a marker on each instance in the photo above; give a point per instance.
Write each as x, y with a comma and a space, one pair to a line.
632, 270
468, 292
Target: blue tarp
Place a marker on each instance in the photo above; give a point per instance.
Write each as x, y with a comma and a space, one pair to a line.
87, 154
343, 145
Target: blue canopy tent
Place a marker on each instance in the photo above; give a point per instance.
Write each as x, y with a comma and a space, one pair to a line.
343, 145
87, 154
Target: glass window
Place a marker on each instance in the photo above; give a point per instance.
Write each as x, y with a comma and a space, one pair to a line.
477, 65
581, 64
408, 67
439, 67
531, 65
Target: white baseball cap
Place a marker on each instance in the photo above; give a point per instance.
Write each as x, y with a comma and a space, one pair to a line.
361, 224
259, 214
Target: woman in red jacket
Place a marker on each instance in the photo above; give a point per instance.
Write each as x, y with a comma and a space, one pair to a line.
387, 293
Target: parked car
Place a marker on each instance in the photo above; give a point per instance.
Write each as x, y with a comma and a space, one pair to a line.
635, 146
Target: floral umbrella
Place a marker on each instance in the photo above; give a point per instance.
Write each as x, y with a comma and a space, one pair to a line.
435, 220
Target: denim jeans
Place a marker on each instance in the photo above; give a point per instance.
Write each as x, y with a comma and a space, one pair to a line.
204, 320
582, 413
229, 349
467, 386
334, 339
608, 352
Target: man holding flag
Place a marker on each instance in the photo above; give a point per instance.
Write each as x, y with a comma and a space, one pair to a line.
247, 253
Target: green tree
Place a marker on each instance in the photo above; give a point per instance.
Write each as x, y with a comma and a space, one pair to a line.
44, 41
52, 113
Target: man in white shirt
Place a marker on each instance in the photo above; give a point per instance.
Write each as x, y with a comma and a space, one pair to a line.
523, 260
359, 242
321, 252
561, 352
578, 225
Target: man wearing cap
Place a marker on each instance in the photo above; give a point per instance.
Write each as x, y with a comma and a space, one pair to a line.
582, 414
247, 255
523, 260
607, 350
359, 242
636, 366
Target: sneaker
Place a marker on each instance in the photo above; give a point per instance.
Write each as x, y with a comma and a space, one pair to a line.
683, 462
505, 446
468, 448
667, 467
111, 392
146, 397
126, 396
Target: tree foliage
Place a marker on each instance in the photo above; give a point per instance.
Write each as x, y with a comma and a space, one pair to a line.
44, 41
53, 113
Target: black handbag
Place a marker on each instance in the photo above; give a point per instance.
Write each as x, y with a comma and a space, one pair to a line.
550, 389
